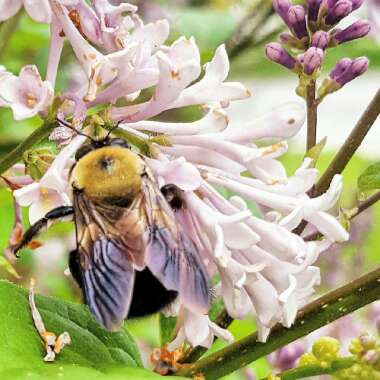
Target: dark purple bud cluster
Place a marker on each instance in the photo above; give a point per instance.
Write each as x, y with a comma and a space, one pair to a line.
312, 31
348, 69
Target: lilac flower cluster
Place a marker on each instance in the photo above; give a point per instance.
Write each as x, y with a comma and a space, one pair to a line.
264, 268
313, 30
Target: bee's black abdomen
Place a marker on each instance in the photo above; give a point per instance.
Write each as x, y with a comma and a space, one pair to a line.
149, 295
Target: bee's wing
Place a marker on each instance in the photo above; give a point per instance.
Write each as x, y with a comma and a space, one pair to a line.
170, 255
105, 267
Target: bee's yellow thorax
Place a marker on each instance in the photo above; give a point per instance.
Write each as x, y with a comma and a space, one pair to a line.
109, 172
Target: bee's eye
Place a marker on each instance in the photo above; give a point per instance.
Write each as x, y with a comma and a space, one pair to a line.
82, 151
119, 142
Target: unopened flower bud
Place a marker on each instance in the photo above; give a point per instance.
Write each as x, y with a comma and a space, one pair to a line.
340, 67
356, 4
312, 60
371, 357
340, 10
320, 40
345, 71
356, 30
358, 67
313, 9
326, 349
367, 341
38, 161
307, 359
297, 20
286, 357
276, 53
282, 8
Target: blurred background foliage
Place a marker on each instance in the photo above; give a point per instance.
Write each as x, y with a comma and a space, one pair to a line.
212, 22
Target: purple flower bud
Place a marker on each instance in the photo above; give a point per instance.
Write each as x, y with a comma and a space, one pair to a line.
313, 9
356, 4
340, 68
286, 357
282, 8
312, 60
276, 53
331, 3
358, 29
297, 20
320, 39
340, 10
358, 67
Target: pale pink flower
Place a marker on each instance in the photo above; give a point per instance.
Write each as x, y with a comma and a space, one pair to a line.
39, 10
178, 67
198, 330
52, 189
27, 94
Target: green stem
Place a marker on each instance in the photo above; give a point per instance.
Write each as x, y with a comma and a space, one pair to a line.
350, 146
316, 370
6, 31
16, 154
324, 310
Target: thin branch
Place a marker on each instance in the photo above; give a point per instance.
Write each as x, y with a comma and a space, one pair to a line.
244, 35
312, 107
15, 155
324, 310
350, 145
362, 206
316, 370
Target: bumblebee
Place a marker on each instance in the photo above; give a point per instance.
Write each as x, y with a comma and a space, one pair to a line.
132, 257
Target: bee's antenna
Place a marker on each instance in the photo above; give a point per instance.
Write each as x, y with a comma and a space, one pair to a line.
68, 125
112, 129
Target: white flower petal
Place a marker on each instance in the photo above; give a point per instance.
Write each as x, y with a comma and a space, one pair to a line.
9, 8
39, 10
282, 122
27, 194
211, 87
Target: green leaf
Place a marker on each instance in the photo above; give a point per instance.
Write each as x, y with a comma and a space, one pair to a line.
167, 325
94, 351
74, 372
8, 267
93, 346
316, 151
369, 180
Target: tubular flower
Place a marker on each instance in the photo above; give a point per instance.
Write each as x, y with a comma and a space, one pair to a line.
26, 94
226, 174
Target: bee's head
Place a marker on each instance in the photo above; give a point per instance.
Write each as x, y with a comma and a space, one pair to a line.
96, 144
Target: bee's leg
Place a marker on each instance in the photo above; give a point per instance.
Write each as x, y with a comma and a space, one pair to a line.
173, 195
32, 231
